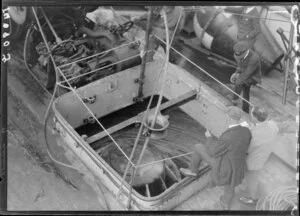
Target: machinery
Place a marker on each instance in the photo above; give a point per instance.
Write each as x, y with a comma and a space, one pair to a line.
70, 36
104, 119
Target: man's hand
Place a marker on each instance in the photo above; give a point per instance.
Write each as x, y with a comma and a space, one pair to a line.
234, 77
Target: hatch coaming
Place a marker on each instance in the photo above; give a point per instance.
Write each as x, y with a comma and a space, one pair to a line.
112, 93
173, 196
71, 113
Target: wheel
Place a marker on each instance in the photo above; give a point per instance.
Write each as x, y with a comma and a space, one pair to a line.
104, 63
121, 29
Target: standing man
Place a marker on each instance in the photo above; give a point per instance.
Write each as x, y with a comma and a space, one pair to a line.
248, 72
175, 14
249, 26
226, 155
264, 134
248, 23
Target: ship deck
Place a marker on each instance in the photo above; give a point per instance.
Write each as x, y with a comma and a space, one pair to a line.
33, 97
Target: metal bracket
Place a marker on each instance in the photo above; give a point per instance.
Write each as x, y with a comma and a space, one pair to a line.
165, 107
138, 99
84, 137
198, 92
89, 120
89, 100
139, 81
147, 132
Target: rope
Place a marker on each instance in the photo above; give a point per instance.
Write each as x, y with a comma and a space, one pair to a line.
140, 129
88, 57
157, 108
165, 69
245, 15
282, 198
207, 73
93, 71
55, 89
46, 136
51, 101
177, 156
176, 27
28, 33
32, 74
144, 118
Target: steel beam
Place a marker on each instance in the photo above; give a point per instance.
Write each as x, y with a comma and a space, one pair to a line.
165, 107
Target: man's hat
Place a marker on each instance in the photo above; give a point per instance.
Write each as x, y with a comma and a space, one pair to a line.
240, 48
259, 113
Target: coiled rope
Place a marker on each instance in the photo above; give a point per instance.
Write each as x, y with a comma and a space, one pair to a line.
283, 198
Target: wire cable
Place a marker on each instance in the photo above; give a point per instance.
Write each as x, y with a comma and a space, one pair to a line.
193, 63
46, 135
156, 110
97, 54
245, 15
88, 109
106, 66
154, 162
28, 35
282, 198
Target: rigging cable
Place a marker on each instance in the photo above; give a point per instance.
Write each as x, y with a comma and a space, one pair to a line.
51, 101
282, 198
157, 108
238, 14
28, 35
93, 115
145, 115
48, 110
193, 63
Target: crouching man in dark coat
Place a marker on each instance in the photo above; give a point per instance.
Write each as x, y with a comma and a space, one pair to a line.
248, 72
226, 155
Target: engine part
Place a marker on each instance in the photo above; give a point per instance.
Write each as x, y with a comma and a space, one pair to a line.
121, 29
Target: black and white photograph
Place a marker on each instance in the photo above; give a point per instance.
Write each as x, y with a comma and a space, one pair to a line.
170, 107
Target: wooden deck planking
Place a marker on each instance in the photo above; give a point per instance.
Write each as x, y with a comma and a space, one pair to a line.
269, 95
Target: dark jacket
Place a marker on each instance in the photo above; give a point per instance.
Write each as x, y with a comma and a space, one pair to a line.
248, 23
229, 151
250, 67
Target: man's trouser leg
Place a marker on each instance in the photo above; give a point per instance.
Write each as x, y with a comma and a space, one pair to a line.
246, 96
237, 89
195, 162
200, 153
